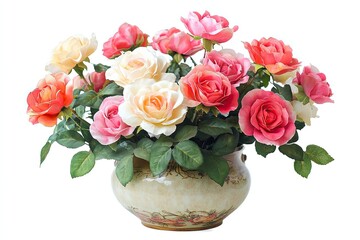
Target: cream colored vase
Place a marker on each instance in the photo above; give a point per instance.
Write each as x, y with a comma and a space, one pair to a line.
183, 200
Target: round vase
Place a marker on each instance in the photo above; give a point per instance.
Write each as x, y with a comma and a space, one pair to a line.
180, 199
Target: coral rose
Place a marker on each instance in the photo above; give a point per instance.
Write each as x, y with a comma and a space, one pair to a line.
267, 117
138, 64
233, 65
203, 85
273, 54
174, 40
46, 102
157, 107
128, 37
71, 52
211, 27
314, 84
108, 126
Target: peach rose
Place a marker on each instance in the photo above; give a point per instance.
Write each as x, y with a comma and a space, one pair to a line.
273, 54
95, 80
128, 37
203, 85
233, 65
138, 64
267, 117
314, 84
157, 107
211, 27
70, 52
174, 40
52, 94
108, 126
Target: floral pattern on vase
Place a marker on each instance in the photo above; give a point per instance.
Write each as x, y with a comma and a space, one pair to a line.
181, 219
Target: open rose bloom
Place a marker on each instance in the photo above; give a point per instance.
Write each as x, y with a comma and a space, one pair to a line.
273, 54
49, 97
179, 96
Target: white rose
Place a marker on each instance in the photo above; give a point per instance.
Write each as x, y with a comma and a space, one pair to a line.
305, 112
157, 107
138, 64
70, 52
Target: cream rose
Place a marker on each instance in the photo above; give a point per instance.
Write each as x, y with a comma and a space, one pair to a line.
157, 107
70, 52
305, 112
139, 64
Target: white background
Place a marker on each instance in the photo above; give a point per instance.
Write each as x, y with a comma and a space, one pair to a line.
45, 203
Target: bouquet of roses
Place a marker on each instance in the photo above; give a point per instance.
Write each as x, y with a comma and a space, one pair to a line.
153, 100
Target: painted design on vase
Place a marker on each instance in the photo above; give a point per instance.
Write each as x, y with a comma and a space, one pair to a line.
181, 219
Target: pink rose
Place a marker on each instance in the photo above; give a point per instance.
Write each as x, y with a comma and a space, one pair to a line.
128, 37
52, 94
233, 65
214, 28
94, 79
161, 40
273, 54
204, 85
177, 41
267, 117
108, 126
314, 84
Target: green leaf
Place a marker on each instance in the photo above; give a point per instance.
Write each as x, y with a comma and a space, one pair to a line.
286, 92
299, 125
44, 151
125, 169
243, 139
103, 151
264, 149
81, 163
85, 131
175, 69
318, 155
225, 144
262, 78
293, 151
294, 138
215, 127
88, 98
188, 155
100, 67
185, 133
80, 110
160, 156
143, 149
70, 139
303, 168
215, 167
111, 90
184, 69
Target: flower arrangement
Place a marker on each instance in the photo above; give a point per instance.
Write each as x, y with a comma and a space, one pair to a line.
155, 101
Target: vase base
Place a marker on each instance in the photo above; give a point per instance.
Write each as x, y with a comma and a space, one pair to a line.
184, 228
